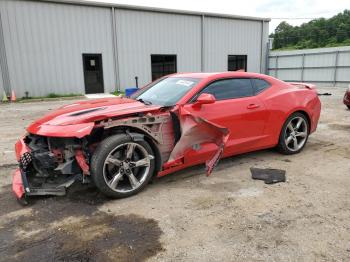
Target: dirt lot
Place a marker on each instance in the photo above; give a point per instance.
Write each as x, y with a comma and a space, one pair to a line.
187, 216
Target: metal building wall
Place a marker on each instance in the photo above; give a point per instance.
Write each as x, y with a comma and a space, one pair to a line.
45, 41
225, 37
323, 66
1, 85
140, 34
4, 76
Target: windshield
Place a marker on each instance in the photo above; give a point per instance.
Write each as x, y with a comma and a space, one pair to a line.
166, 92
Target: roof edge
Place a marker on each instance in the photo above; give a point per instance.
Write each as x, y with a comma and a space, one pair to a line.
154, 9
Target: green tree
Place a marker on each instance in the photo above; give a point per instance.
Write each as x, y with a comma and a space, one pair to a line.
319, 32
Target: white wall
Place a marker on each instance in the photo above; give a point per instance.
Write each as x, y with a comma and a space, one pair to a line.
1, 85
140, 34
45, 41
225, 37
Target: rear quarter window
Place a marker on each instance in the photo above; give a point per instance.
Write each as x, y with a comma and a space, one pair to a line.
260, 85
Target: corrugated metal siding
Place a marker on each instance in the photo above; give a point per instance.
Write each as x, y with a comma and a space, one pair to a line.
323, 66
225, 37
287, 62
140, 34
1, 85
5, 84
344, 59
320, 60
290, 74
45, 42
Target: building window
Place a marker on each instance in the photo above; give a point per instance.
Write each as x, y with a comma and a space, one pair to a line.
163, 65
237, 62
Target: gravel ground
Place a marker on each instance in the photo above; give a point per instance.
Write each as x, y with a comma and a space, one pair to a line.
187, 216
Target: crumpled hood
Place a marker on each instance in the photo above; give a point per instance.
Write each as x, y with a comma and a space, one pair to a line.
93, 110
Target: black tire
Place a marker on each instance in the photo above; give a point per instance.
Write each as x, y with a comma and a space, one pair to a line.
348, 107
98, 164
282, 147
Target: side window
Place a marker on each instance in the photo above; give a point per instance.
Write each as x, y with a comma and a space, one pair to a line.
230, 88
260, 85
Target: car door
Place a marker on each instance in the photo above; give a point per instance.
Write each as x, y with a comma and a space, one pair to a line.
237, 108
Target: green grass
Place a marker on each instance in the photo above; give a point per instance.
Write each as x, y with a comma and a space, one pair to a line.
117, 93
51, 95
54, 95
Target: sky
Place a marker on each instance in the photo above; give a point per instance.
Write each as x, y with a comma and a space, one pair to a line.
275, 9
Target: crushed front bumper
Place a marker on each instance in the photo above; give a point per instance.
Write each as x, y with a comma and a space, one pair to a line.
17, 184
21, 180
17, 179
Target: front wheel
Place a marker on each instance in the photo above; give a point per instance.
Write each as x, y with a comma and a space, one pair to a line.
121, 167
294, 134
348, 107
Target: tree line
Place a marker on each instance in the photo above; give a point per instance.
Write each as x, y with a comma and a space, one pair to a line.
320, 32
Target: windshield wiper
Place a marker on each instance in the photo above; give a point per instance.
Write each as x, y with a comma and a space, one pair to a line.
144, 101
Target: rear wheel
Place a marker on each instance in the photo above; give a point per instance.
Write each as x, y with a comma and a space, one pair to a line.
121, 167
294, 134
348, 106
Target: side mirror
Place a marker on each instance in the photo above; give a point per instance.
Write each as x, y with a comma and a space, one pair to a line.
205, 99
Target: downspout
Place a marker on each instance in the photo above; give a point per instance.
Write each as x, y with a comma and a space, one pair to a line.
115, 51
202, 44
261, 47
3, 62
267, 57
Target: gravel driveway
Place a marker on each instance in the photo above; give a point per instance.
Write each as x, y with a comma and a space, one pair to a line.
187, 216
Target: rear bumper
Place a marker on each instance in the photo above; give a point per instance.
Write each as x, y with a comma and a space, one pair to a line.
315, 114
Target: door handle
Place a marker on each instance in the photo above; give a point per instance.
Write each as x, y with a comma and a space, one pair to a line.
253, 106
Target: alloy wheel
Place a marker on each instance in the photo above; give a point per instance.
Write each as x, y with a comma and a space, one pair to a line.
126, 167
296, 133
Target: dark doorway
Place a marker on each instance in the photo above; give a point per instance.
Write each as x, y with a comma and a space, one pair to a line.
237, 62
93, 73
163, 65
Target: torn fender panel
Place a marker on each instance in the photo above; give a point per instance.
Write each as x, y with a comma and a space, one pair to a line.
195, 131
78, 130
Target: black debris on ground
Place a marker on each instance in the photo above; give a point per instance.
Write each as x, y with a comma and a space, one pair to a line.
269, 175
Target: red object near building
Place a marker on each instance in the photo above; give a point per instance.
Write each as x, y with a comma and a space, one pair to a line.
346, 99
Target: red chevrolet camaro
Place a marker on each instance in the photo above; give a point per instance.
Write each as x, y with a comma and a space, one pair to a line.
178, 121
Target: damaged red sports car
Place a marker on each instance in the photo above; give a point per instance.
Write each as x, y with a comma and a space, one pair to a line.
175, 122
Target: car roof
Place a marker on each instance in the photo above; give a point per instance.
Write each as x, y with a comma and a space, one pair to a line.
215, 75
